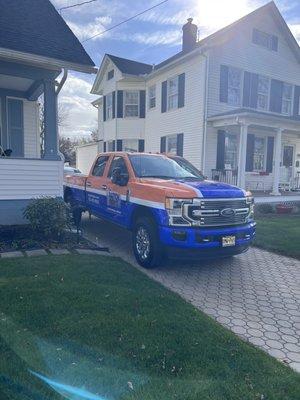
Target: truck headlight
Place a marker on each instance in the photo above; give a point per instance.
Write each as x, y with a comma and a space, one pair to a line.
174, 208
250, 202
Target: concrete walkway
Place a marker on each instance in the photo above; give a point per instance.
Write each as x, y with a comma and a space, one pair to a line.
256, 294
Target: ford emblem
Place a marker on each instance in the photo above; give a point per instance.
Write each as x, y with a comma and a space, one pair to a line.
228, 212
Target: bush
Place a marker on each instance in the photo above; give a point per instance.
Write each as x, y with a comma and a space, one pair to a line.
48, 216
264, 208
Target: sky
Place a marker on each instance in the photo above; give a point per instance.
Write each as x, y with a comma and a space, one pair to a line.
151, 38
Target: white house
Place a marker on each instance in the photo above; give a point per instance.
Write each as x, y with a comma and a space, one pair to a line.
35, 46
228, 103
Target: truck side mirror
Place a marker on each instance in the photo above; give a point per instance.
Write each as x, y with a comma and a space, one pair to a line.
118, 178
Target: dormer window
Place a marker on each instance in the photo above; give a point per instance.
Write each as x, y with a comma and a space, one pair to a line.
264, 39
110, 74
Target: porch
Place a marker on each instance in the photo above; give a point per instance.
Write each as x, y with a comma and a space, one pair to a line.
258, 152
30, 163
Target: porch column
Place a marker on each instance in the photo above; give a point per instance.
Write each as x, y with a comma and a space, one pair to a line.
242, 155
277, 157
50, 120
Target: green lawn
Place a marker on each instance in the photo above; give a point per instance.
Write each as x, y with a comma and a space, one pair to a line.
101, 327
279, 233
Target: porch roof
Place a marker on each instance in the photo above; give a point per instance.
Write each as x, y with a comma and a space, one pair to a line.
254, 117
34, 29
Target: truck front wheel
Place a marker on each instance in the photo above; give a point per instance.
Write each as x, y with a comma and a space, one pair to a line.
147, 248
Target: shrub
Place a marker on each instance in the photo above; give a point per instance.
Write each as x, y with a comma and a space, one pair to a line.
264, 208
48, 216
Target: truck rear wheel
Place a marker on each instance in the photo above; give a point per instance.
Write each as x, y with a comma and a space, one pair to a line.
147, 248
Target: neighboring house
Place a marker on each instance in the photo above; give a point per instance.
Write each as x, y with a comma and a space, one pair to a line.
35, 46
228, 103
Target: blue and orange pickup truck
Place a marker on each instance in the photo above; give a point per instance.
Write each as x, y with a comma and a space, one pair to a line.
171, 209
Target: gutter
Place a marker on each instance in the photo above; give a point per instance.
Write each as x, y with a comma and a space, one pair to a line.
45, 62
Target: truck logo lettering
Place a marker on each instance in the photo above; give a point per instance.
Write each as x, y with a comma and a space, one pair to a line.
228, 212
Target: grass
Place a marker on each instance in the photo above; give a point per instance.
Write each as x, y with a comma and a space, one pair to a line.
99, 325
279, 233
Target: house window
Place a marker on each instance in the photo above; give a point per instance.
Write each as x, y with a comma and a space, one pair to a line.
110, 74
234, 86
110, 145
259, 154
263, 93
130, 145
265, 39
171, 144
173, 93
287, 95
230, 159
131, 104
152, 96
109, 106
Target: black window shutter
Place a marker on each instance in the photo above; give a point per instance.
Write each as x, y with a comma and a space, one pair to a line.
120, 104
250, 152
114, 145
276, 96
180, 144
296, 112
142, 103
224, 84
270, 151
181, 90
113, 104
163, 144
104, 108
274, 43
164, 96
254, 90
221, 150
104, 147
247, 89
119, 145
141, 145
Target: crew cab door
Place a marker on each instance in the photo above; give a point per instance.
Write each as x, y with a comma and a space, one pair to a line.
118, 190
96, 187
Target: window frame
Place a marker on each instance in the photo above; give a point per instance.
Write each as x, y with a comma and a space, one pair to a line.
263, 169
109, 107
107, 159
131, 104
168, 138
108, 143
266, 34
109, 72
137, 145
227, 135
264, 94
241, 86
110, 170
173, 94
289, 100
151, 107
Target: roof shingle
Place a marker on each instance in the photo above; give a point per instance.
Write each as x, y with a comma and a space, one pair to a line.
34, 26
130, 67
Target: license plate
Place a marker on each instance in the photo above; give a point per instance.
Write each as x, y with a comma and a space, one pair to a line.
228, 241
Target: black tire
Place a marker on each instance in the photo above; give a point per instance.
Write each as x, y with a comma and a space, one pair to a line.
151, 254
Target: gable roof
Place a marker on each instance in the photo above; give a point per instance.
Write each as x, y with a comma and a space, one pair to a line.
35, 27
130, 67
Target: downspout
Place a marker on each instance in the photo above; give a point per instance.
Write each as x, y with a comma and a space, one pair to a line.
116, 115
206, 56
58, 89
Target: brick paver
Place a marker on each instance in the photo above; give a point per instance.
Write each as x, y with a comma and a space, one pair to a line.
256, 294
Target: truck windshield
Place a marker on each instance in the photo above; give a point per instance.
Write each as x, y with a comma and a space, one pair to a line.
152, 166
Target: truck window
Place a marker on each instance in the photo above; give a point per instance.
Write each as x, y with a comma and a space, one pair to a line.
118, 162
100, 166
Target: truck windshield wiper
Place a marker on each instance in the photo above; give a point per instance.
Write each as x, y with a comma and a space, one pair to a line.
158, 176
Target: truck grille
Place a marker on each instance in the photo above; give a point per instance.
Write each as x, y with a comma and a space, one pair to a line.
217, 212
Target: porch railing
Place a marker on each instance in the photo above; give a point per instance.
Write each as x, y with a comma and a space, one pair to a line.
225, 175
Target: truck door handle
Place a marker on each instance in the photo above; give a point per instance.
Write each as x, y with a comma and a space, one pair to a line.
88, 184
104, 187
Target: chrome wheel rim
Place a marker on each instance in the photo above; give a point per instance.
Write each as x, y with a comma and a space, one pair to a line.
142, 243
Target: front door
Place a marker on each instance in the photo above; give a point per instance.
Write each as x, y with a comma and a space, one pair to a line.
288, 160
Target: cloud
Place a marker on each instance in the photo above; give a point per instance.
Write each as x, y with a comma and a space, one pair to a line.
171, 37
75, 99
84, 31
295, 28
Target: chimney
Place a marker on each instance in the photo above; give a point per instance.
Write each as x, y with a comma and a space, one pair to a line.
189, 35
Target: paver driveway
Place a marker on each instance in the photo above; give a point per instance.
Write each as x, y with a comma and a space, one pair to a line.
256, 294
